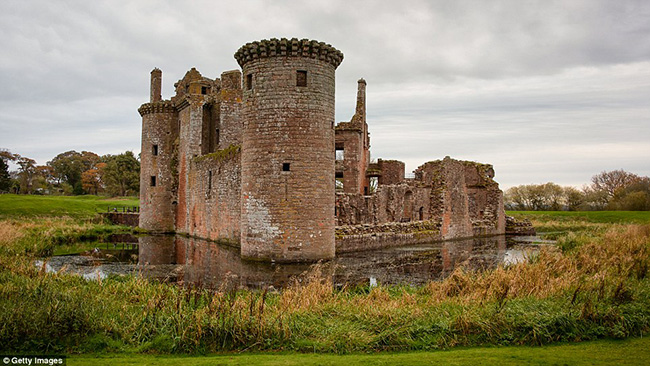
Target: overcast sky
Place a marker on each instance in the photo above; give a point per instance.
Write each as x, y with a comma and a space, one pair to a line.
543, 90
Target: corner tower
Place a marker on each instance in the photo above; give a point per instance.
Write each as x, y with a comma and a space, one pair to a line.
287, 193
158, 157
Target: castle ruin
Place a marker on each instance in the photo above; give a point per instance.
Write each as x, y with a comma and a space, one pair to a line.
255, 159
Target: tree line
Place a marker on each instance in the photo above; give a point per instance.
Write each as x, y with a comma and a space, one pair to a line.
609, 190
71, 173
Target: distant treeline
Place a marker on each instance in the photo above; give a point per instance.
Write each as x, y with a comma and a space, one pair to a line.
613, 190
71, 173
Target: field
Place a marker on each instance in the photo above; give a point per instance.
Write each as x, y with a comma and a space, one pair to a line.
80, 207
593, 287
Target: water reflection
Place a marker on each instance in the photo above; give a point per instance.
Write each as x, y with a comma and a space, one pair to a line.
196, 262
207, 264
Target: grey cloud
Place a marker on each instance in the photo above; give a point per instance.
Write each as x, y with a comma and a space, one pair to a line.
514, 83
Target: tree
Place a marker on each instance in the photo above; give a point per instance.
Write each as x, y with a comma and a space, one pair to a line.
610, 182
539, 197
574, 198
5, 178
68, 167
121, 174
92, 179
26, 174
633, 197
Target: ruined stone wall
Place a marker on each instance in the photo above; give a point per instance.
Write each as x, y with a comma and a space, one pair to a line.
353, 165
465, 196
230, 97
459, 198
214, 208
391, 171
352, 137
354, 238
390, 203
288, 150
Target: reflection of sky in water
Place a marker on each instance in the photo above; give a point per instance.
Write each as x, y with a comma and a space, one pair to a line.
207, 264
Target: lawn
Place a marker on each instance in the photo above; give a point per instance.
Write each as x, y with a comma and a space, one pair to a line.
604, 352
81, 207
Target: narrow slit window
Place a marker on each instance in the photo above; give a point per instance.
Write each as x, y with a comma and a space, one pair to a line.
249, 81
216, 137
153, 180
209, 180
286, 167
154, 150
204, 90
301, 78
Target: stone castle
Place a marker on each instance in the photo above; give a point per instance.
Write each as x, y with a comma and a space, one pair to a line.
255, 159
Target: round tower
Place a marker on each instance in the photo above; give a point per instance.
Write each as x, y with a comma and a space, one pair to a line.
157, 160
287, 176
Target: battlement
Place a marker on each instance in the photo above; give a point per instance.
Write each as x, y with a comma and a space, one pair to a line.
288, 48
164, 106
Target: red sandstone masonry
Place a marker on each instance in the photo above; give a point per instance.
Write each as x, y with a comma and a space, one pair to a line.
288, 152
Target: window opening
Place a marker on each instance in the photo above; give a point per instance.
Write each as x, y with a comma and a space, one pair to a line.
249, 81
301, 78
340, 153
154, 150
339, 184
153, 180
286, 167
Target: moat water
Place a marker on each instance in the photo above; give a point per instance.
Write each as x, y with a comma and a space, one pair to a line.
195, 262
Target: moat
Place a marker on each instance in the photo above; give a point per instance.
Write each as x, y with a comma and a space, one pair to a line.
195, 262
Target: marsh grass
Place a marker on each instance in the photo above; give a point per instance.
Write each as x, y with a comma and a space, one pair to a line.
597, 288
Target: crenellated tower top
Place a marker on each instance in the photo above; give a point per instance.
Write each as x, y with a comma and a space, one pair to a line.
288, 48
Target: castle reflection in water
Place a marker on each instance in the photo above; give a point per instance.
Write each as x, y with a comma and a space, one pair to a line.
196, 262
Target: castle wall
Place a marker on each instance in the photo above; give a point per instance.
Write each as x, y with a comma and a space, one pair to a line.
354, 164
213, 212
230, 97
391, 171
453, 199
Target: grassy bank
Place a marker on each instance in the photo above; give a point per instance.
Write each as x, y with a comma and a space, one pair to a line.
79, 207
601, 290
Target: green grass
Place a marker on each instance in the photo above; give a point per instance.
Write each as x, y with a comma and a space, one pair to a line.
608, 217
579, 221
80, 207
604, 352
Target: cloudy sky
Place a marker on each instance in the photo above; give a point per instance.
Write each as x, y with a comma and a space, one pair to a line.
543, 90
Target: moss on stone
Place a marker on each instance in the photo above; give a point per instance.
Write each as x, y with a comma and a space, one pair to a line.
220, 155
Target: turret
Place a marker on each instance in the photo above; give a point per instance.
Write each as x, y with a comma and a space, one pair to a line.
288, 150
158, 160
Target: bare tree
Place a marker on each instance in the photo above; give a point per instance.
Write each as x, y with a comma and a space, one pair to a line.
610, 182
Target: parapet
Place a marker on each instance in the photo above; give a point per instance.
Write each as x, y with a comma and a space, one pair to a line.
164, 106
288, 47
